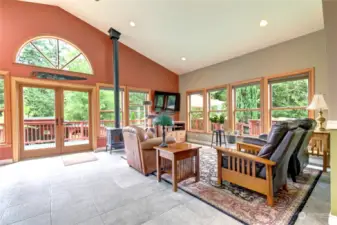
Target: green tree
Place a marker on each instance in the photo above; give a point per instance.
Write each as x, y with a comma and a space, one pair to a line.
76, 106
54, 53
38, 102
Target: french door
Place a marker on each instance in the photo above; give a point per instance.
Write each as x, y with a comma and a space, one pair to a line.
54, 121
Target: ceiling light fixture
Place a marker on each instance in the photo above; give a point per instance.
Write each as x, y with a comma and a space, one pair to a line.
183, 58
263, 23
132, 24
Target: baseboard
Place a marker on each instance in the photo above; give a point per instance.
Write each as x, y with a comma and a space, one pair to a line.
100, 149
194, 141
332, 219
6, 162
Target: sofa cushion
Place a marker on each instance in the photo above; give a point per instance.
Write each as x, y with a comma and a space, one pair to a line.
148, 135
266, 151
307, 124
140, 132
276, 134
254, 141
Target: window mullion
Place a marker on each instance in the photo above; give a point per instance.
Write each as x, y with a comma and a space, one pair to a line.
42, 54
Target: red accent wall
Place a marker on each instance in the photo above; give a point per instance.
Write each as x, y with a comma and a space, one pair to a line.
21, 21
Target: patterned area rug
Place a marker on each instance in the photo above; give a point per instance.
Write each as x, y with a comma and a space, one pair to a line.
244, 205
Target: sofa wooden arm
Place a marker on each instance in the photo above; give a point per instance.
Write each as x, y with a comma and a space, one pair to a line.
249, 148
241, 170
243, 155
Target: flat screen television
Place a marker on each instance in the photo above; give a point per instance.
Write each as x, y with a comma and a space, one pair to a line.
166, 101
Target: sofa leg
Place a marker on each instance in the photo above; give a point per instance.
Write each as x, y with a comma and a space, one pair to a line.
293, 177
285, 187
219, 168
270, 200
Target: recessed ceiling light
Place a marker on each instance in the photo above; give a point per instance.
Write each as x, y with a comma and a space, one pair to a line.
132, 24
263, 23
183, 58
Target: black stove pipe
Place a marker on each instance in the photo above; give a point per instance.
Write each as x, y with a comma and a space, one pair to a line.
114, 36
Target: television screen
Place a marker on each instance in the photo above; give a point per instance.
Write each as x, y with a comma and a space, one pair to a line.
159, 101
171, 102
166, 101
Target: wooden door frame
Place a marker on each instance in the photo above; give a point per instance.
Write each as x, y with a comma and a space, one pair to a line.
16, 82
75, 148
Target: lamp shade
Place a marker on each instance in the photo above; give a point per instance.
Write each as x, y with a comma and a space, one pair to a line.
318, 103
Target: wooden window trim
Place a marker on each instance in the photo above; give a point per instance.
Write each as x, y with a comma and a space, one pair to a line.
289, 75
127, 103
30, 41
225, 112
100, 86
265, 98
203, 111
7, 109
244, 83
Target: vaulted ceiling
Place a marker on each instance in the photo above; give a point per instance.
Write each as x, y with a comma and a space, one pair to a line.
205, 32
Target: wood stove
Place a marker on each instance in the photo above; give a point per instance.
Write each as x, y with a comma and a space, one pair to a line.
115, 135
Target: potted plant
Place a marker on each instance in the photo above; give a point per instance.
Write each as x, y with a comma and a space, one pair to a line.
215, 121
163, 120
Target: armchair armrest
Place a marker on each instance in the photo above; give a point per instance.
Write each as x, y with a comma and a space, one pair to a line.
250, 148
152, 142
233, 152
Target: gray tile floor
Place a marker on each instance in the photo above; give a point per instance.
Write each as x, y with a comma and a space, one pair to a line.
108, 191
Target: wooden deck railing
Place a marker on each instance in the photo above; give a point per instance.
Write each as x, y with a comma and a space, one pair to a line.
253, 127
43, 131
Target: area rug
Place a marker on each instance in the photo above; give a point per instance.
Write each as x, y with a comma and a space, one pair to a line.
78, 158
244, 205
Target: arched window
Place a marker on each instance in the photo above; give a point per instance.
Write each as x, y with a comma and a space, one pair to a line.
53, 53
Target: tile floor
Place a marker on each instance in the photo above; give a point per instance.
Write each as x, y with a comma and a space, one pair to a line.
108, 191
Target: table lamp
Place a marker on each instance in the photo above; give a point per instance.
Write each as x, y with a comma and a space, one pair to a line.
318, 103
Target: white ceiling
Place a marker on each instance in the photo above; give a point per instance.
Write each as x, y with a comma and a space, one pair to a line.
204, 31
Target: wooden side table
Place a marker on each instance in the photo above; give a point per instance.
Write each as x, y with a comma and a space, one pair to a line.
320, 146
185, 162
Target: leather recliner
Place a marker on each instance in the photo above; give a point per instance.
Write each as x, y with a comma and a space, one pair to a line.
139, 150
268, 168
300, 157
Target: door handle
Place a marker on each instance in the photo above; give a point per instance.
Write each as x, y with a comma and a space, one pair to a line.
57, 121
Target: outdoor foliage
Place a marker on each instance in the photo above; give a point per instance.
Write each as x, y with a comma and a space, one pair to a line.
40, 102
54, 53
292, 93
247, 97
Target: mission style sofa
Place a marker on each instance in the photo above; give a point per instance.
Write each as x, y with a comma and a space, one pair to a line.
261, 169
300, 158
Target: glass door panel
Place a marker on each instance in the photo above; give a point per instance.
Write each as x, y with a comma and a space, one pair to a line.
39, 118
75, 118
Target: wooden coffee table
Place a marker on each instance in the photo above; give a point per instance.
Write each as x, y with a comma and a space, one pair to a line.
184, 162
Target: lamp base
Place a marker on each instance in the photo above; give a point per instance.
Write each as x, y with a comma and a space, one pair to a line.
320, 120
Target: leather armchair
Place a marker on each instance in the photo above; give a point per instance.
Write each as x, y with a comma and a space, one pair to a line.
300, 158
265, 172
139, 149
